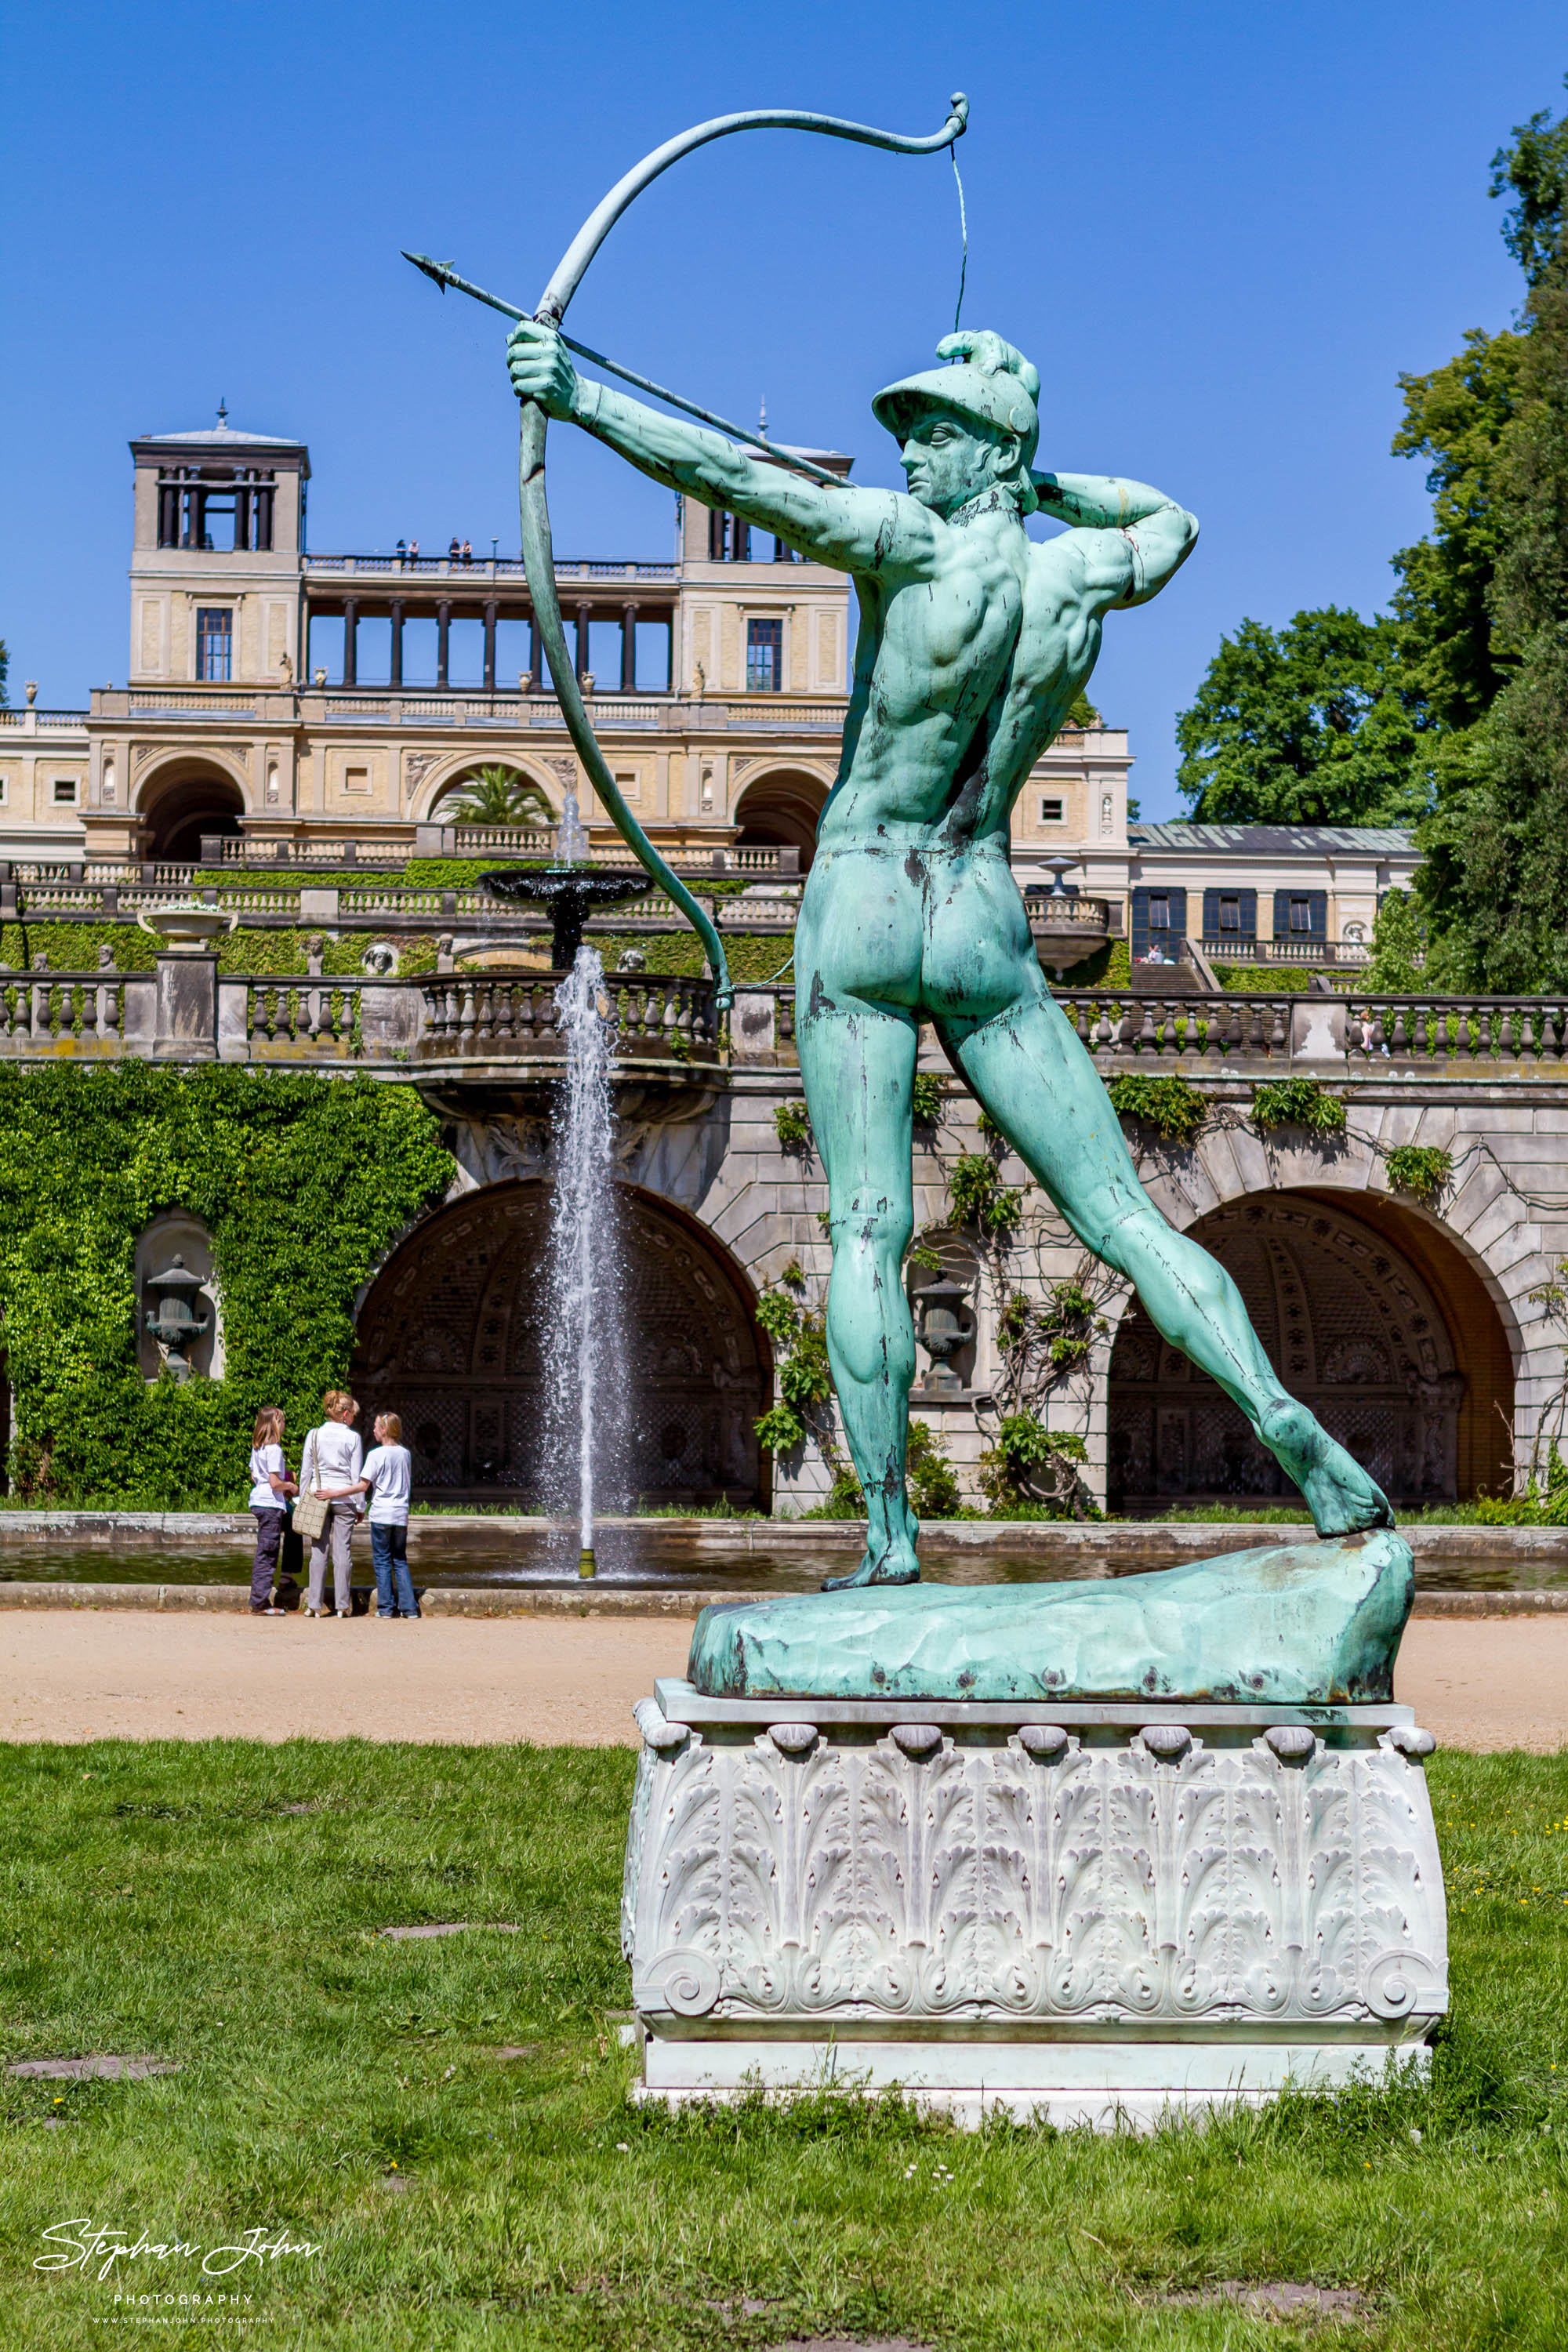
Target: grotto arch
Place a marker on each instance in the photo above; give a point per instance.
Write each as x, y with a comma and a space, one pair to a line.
1371, 1314
450, 1337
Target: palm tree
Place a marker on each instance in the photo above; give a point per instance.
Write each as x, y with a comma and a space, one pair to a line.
500, 795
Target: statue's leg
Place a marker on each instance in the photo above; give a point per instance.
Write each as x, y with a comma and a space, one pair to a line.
858, 1063
1033, 1077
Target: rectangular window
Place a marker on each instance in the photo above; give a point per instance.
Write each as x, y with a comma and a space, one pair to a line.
626, 779
215, 643
356, 780
764, 656
1159, 911
1051, 812
65, 792
1229, 913
1300, 917
5, 790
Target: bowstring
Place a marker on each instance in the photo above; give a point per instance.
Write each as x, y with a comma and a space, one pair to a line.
963, 235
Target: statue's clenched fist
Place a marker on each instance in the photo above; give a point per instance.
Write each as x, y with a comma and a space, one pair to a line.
540, 370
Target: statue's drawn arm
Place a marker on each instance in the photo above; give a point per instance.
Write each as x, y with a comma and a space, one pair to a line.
1127, 539
855, 531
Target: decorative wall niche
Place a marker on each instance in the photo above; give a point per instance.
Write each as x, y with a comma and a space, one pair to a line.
177, 1235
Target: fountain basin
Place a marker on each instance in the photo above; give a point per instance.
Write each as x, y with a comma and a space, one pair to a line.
570, 893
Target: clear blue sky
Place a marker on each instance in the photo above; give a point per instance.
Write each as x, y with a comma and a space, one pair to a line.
1220, 229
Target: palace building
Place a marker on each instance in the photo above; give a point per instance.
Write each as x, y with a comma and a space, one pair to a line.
281, 704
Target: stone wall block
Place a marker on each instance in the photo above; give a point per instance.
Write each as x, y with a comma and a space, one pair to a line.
185, 1022
233, 1021
389, 1019
1318, 1031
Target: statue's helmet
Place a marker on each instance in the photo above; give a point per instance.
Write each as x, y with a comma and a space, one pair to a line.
991, 384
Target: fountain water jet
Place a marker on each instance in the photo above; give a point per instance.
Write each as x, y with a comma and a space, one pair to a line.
583, 1284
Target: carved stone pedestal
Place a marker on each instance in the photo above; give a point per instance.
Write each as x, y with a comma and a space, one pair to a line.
1096, 1918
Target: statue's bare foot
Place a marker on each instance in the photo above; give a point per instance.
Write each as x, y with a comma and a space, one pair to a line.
885, 1561
1341, 1496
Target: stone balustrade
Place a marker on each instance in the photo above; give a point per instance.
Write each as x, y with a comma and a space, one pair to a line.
1457, 1031
489, 1017
184, 1010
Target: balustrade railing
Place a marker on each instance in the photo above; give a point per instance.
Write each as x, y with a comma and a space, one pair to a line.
479, 1016
487, 567
1235, 946
503, 840
315, 1015
53, 1012
1472, 1032
492, 1016
1180, 1029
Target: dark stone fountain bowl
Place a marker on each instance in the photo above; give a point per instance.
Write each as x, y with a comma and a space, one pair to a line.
571, 893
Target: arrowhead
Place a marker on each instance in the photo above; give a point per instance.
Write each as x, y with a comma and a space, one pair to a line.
436, 269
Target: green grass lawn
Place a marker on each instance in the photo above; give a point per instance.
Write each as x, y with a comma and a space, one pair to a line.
218, 1904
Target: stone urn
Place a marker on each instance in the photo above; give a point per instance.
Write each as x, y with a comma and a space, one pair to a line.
1067, 925
186, 927
941, 1333
173, 1321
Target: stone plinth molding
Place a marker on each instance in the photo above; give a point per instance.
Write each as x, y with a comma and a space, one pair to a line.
1078, 1917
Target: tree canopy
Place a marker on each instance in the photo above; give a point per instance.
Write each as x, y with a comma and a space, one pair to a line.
1451, 710
1315, 723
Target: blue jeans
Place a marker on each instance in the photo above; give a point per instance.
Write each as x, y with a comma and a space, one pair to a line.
389, 1558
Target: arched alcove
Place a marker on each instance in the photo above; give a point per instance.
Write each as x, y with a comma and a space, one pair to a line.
181, 803
177, 1235
452, 1337
1368, 1315
778, 810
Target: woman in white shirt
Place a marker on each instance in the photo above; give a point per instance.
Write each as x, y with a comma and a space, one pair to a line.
270, 1487
387, 1479
331, 1469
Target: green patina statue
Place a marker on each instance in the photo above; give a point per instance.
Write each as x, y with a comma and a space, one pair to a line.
974, 642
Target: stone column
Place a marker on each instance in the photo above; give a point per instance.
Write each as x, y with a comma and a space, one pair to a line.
395, 675
350, 644
443, 631
186, 1019
490, 646
628, 649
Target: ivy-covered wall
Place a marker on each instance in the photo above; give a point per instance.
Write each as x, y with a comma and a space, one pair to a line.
304, 1183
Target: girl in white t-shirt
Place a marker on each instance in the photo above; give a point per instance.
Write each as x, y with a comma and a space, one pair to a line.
387, 1479
270, 1487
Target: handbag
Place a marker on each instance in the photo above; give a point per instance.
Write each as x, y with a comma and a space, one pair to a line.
310, 1509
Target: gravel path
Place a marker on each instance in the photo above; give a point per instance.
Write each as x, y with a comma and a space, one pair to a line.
109, 1674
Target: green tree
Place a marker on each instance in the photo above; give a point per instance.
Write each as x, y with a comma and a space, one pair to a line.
1316, 723
1395, 964
500, 795
1494, 879
1456, 418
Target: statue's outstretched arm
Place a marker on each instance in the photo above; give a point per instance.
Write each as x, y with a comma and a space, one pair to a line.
855, 531
1129, 537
